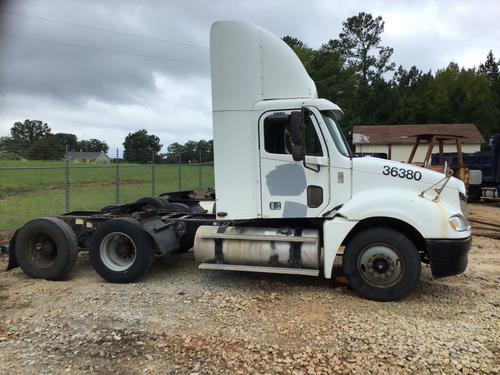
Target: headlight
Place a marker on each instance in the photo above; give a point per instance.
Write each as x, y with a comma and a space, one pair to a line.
459, 223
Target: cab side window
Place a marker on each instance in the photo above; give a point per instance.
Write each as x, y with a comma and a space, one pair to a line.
277, 135
313, 145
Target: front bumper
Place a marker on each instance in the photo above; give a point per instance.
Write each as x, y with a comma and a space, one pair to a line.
448, 257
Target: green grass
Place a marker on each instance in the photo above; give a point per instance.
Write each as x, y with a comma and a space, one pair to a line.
31, 163
30, 193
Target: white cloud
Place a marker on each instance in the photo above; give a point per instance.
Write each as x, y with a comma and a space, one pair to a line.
179, 110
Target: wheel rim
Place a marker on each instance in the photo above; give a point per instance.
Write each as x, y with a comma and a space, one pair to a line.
381, 265
42, 250
117, 251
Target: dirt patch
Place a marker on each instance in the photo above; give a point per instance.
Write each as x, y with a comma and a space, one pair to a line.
5, 237
486, 211
485, 219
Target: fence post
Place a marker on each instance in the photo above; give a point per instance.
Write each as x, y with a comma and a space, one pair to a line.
66, 181
199, 170
153, 180
179, 171
117, 179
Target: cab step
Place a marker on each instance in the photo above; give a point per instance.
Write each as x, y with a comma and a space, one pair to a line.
237, 267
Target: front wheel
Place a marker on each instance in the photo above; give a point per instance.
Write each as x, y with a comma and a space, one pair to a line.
381, 264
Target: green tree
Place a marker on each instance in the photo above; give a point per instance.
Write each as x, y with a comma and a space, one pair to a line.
204, 151
335, 81
378, 104
464, 95
174, 150
29, 131
190, 152
412, 96
13, 146
47, 148
302, 50
491, 69
141, 147
210, 150
92, 145
68, 139
359, 42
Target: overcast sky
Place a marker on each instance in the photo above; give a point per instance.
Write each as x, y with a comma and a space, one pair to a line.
69, 77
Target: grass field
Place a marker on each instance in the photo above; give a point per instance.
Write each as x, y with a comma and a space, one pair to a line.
28, 193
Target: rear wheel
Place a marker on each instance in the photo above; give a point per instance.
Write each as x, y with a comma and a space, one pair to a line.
46, 248
381, 264
121, 251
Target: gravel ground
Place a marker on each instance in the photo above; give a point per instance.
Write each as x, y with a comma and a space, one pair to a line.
183, 320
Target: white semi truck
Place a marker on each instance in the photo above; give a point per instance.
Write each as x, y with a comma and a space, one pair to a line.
289, 195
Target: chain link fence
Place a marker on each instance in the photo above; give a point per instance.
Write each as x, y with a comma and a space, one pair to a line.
34, 188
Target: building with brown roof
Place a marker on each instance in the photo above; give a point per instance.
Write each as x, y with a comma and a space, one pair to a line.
397, 140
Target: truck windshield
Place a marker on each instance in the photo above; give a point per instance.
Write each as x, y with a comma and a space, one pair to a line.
336, 133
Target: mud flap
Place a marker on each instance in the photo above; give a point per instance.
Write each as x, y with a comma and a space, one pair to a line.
162, 234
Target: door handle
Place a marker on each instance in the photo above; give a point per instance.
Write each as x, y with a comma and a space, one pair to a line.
317, 160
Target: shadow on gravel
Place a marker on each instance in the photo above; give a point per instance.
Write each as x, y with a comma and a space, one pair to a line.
173, 266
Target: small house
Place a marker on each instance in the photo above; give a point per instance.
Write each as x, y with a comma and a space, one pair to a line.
89, 157
396, 141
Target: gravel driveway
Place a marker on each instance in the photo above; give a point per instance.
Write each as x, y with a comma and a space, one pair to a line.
183, 320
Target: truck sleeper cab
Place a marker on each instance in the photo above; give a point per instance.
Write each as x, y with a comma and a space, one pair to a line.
289, 193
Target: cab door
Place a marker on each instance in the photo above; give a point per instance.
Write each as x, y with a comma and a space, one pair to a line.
292, 189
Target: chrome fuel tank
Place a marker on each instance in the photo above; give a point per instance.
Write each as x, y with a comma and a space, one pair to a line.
271, 247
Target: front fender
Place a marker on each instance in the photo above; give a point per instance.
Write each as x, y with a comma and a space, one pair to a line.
430, 218
334, 232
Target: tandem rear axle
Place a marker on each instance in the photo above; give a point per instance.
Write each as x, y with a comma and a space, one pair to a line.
123, 240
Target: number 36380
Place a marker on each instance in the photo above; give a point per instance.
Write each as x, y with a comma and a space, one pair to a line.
402, 173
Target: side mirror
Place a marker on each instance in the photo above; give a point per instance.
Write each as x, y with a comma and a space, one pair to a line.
297, 132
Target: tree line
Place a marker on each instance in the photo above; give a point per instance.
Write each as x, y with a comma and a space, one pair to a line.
140, 147
355, 71
33, 139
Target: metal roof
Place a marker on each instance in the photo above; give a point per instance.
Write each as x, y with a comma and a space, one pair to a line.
406, 134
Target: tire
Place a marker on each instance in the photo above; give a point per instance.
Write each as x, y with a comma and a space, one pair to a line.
381, 264
121, 251
46, 248
153, 202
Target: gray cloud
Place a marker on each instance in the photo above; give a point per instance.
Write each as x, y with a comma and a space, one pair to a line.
106, 95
